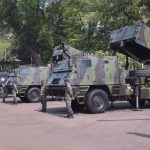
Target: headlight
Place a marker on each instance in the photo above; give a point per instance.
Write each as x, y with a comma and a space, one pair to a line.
2, 79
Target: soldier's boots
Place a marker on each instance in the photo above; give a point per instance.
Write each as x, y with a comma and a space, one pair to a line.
3, 100
69, 116
44, 106
14, 103
43, 110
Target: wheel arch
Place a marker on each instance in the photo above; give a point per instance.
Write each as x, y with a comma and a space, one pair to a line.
32, 86
27, 87
102, 87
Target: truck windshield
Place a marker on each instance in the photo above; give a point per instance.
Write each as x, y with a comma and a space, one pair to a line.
12, 77
61, 65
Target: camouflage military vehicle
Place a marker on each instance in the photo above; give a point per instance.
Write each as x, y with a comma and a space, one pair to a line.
98, 80
28, 80
134, 42
95, 80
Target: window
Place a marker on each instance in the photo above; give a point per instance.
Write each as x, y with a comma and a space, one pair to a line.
25, 71
55, 81
85, 63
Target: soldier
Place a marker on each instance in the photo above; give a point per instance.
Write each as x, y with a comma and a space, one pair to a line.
14, 91
43, 97
3, 91
68, 98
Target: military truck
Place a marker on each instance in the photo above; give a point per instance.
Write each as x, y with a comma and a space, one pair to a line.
98, 80
28, 80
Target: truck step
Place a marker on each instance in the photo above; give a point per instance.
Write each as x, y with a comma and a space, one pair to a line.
115, 90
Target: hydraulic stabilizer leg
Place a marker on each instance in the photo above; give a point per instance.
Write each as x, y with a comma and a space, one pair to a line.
137, 94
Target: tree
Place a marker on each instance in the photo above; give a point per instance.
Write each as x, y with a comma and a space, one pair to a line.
39, 25
27, 21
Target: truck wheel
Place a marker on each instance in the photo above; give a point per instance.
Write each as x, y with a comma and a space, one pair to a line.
76, 106
133, 102
97, 101
33, 95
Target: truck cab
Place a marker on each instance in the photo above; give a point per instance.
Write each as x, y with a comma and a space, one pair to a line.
95, 80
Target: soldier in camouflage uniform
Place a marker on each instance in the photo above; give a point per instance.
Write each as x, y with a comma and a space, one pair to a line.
14, 91
68, 98
43, 97
3, 91
2, 85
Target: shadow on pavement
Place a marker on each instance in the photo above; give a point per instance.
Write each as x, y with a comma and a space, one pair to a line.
125, 106
11, 102
140, 134
113, 120
58, 111
62, 111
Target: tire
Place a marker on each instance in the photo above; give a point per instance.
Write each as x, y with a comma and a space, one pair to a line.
133, 103
33, 95
97, 101
140, 73
76, 106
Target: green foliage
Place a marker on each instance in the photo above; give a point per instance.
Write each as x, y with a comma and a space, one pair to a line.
133, 64
32, 31
39, 25
103, 53
4, 46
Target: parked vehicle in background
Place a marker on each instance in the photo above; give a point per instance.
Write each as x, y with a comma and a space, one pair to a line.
28, 80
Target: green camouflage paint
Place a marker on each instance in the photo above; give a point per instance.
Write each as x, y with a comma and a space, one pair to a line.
85, 72
28, 80
97, 80
131, 41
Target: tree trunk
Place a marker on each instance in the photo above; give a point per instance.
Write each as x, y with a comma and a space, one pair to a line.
35, 56
37, 61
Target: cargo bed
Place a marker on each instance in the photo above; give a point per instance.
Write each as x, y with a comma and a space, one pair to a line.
133, 41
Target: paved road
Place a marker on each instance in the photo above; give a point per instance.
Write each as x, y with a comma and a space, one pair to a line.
24, 127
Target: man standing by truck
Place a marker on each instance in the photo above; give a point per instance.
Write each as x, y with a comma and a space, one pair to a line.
3, 91
43, 97
14, 91
68, 98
